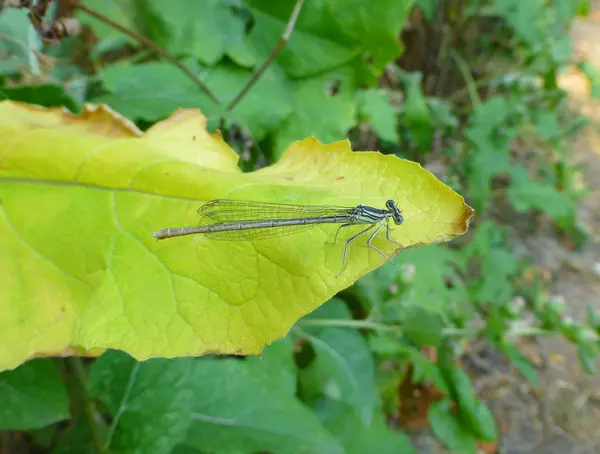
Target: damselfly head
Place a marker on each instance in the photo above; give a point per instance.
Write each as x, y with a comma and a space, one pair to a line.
395, 212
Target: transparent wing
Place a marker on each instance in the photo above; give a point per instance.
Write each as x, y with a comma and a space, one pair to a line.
218, 212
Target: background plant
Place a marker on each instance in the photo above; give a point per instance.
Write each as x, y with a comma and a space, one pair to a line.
474, 97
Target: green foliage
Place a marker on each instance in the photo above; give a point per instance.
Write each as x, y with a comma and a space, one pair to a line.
17, 52
448, 428
150, 402
332, 384
33, 396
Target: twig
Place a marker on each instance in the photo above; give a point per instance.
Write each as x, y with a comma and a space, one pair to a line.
146, 42
278, 48
348, 323
80, 382
46, 59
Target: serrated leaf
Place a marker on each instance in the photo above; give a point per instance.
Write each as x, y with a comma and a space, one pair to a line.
417, 117
498, 269
433, 266
375, 109
100, 189
32, 396
240, 406
526, 194
330, 34
524, 17
150, 401
323, 107
208, 30
449, 430
345, 368
357, 437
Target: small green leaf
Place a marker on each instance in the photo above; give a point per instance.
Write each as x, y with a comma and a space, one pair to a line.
32, 396
150, 401
417, 117
18, 52
421, 326
474, 416
443, 117
527, 194
546, 124
424, 369
448, 428
460, 384
521, 362
486, 429
593, 318
587, 352
374, 108
385, 344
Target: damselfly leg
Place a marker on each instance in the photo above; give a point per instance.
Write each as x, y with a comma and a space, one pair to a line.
350, 240
372, 246
387, 234
369, 241
338, 231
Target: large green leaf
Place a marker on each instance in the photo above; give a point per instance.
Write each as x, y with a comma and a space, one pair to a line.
32, 396
208, 30
343, 368
150, 402
248, 406
358, 437
80, 198
140, 92
331, 33
324, 107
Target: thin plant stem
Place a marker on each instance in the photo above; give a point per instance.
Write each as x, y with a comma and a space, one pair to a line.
75, 364
347, 323
463, 67
278, 48
150, 44
46, 59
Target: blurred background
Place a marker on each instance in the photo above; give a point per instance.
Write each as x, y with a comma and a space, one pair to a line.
486, 344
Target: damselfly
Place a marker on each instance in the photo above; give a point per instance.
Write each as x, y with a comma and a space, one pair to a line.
239, 220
